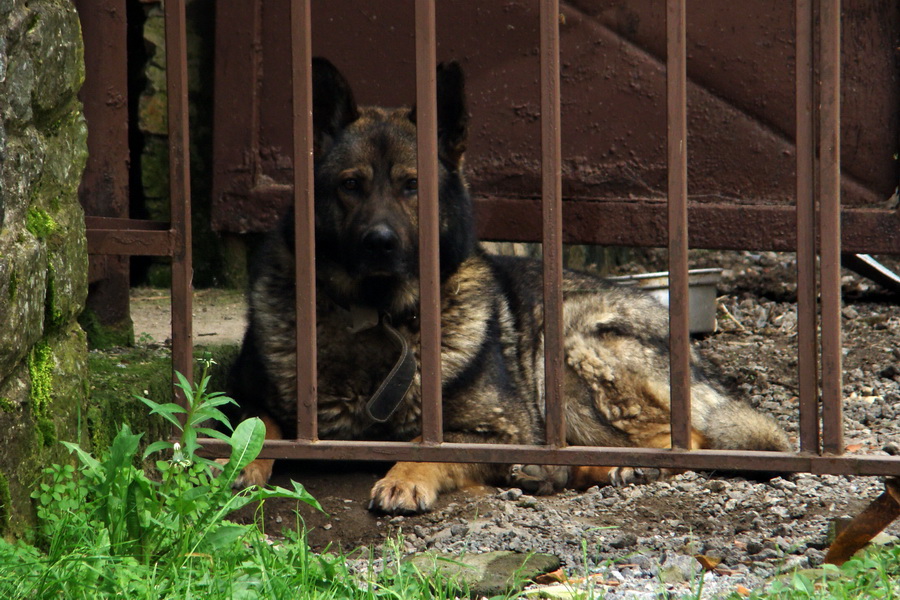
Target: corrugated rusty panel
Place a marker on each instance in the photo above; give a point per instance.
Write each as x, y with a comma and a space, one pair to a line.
740, 114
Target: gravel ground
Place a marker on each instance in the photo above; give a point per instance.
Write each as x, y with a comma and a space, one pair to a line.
642, 540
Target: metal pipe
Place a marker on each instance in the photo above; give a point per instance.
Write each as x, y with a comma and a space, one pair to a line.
551, 181
807, 349
830, 223
679, 336
179, 187
429, 230
718, 460
304, 220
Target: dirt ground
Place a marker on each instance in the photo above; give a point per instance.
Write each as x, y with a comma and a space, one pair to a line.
755, 352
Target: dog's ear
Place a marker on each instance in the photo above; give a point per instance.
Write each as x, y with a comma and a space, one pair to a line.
333, 104
452, 115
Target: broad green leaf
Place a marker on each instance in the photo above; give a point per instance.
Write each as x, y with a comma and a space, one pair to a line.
92, 464
214, 434
205, 413
157, 446
167, 411
221, 538
298, 493
123, 448
246, 444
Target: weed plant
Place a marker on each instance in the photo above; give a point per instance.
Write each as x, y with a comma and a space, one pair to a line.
107, 529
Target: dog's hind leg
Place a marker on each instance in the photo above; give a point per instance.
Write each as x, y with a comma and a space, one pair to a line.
546, 479
583, 477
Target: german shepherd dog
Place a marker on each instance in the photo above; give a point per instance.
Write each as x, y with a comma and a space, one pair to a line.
616, 381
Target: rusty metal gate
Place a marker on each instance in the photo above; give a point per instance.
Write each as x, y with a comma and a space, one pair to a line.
818, 107
816, 215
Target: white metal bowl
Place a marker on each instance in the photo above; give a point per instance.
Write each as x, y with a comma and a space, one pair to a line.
701, 291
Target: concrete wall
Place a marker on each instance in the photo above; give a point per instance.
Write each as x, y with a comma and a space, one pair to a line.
43, 253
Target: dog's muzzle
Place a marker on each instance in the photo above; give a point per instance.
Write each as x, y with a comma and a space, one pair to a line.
381, 250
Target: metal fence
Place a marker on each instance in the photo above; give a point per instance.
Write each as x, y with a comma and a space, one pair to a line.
818, 218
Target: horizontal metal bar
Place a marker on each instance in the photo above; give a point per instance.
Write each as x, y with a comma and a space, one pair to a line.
720, 226
120, 223
572, 455
712, 225
131, 242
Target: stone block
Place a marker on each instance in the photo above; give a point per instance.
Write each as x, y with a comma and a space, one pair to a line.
54, 42
23, 289
20, 169
40, 402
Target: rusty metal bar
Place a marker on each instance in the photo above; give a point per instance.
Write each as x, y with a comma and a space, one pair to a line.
807, 348
304, 220
575, 455
551, 181
679, 336
112, 223
643, 223
179, 187
128, 242
429, 230
866, 525
830, 223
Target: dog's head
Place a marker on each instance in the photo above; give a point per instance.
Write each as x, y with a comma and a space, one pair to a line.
366, 188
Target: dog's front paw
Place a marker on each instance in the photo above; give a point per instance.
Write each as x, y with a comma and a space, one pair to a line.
620, 476
257, 473
393, 495
540, 480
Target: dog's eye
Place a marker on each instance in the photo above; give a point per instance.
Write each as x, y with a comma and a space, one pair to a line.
412, 185
351, 184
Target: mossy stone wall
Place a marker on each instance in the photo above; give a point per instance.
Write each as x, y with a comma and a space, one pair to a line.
43, 251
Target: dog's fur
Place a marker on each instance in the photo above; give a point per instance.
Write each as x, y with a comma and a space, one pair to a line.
616, 340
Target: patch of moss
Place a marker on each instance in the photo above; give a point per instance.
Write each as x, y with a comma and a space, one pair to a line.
6, 405
40, 369
104, 337
54, 316
5, 504
39, 223
118, 375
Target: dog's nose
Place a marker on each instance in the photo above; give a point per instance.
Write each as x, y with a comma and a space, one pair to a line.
380, 240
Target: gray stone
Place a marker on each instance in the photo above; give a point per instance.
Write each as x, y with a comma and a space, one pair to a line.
488, 574
23, 287
58, 54
678, 568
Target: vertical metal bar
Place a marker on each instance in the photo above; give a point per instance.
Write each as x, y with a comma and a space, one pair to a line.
807, 349
551, 178
429, 231
679, 336
179, 187
304, 220
830, 223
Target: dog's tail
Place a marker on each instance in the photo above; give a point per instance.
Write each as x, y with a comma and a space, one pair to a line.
737, 426
728, 424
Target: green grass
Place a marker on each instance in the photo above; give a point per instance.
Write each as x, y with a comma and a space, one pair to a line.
109, 530
873, 574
